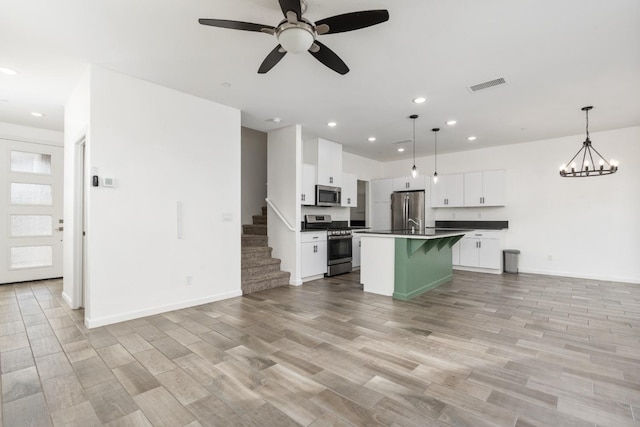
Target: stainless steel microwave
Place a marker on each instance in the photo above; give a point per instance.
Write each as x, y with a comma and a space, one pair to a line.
328, 196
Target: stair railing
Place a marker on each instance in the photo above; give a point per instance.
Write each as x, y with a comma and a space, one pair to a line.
282, 218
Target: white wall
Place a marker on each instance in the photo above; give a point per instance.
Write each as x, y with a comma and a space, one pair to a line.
29, 134
284, 183
365, 169
254, 173
588, 226
162, 147
76, 125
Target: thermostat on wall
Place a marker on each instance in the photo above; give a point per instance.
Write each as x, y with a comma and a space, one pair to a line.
108, 182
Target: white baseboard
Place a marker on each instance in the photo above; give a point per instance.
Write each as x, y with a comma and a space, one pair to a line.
632, 280
121, 317
66, 299
477, 269
310, 278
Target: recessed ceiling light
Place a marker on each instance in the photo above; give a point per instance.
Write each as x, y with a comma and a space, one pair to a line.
225, 84
8, 71
451, 122
471, 138
372, 139
400, 150
276, 120
420, 100
36, 114
332, 124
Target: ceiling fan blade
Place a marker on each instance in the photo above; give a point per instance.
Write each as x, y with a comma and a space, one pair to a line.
329, 58
237, 25
272, 59
354, 20
291, 5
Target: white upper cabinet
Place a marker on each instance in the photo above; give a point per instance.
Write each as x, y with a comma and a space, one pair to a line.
409, 183
484, 188
448, 192
349, 190
327, 158
381, 190
308, 196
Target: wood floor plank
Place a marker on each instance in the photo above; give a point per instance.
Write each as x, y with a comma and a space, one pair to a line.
135, 378
111, 401
482, 350
162, 409
63, 392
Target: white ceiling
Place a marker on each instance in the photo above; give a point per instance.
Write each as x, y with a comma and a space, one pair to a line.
556, 56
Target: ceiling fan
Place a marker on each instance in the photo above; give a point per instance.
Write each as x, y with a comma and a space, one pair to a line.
297, 34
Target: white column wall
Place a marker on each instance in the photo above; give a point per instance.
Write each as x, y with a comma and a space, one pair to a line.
284, 183
76, 127
588, 226
162, 147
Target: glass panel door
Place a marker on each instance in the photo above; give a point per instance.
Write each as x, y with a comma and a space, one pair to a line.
31, 185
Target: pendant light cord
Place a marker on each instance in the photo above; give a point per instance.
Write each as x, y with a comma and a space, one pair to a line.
436, 153
587, 111
414, 142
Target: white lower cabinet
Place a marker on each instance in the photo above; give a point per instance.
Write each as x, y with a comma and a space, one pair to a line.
313, 257
480, 249
355, 251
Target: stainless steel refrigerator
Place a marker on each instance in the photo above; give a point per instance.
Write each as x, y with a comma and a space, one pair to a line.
407, 210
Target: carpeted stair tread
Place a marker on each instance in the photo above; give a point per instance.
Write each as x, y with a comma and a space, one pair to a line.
266, 281
259, 261
254, 240
259, 219
255, 229
249, 252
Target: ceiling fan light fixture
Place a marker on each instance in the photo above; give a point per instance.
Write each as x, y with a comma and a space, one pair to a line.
295, 38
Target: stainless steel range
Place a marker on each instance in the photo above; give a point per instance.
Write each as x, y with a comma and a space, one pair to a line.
339, 243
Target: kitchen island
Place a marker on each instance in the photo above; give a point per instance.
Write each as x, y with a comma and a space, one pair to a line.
406, 263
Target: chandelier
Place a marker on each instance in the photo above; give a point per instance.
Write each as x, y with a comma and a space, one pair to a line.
588, 165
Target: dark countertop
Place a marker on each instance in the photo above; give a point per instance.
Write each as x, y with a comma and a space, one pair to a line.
474, 225
429, 232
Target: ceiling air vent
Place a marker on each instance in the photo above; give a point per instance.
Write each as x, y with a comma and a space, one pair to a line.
487, 85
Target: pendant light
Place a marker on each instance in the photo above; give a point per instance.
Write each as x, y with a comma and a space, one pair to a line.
435, 157
588, 165
414, 169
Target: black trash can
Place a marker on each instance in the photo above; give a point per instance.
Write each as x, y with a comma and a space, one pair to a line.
511, 260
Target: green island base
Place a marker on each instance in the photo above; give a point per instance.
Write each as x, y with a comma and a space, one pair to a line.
421, 265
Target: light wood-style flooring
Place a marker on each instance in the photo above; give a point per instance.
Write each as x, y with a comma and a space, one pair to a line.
483, 350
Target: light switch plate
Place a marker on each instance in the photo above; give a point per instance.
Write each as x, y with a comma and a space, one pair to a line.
108, 182
227, 217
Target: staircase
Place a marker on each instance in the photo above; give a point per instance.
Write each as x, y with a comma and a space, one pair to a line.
259, 270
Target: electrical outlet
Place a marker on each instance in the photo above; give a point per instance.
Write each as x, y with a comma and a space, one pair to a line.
188, 281
454, 215
479, 215
549, 258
